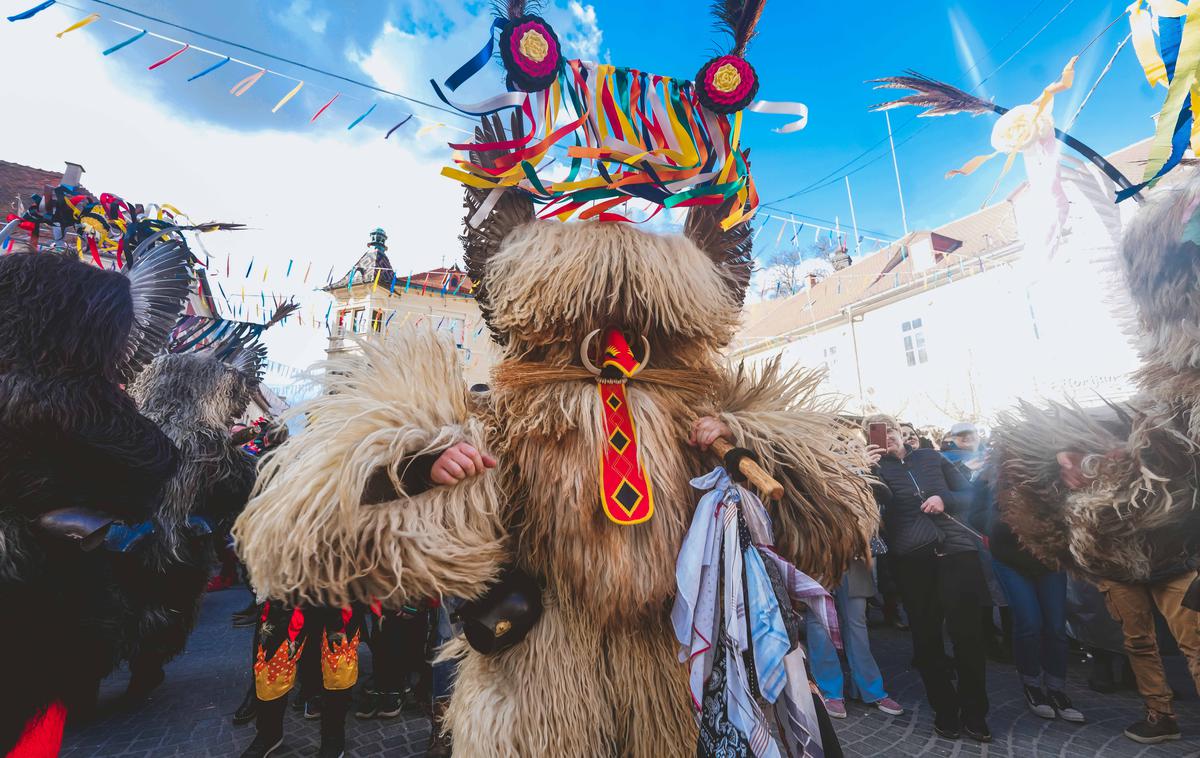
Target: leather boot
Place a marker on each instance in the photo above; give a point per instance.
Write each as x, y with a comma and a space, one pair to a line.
440, 745
334, 704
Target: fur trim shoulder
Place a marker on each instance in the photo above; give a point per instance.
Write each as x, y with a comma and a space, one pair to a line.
306, 534
827, 514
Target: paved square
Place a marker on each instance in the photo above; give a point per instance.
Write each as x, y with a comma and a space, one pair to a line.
189, 715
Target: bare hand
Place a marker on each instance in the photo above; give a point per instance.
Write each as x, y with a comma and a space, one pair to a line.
933, 505
874, 453
707, 430
1071, 470
458, 462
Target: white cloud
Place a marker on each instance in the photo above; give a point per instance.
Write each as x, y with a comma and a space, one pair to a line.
308, 196
301, 18
582, 39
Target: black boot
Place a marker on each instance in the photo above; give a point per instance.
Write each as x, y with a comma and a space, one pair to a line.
269, 728
247, 710
146, 673
334, 704
247, 616
440, 745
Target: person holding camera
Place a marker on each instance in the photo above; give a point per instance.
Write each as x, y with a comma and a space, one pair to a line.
936, 557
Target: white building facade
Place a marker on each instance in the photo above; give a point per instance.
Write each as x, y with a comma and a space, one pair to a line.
959, 323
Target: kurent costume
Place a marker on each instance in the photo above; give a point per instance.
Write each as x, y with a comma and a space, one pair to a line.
1135, 529
79, 463
194, 398
610, 340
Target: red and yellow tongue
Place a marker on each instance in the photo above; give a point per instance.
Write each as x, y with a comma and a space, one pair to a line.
617, 354
624, 486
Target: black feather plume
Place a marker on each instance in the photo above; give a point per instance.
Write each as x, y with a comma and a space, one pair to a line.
738, 18
938, 98
282, 311
513, 9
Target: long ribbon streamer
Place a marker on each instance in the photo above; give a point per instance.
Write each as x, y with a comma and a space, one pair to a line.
126, 43
397, 126
93, 18
283, 100
209, 70
317, 115
244, 85
359, 120
169, 58
800, 110
32, 11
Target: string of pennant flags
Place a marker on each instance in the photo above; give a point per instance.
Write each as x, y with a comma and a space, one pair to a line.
254, 72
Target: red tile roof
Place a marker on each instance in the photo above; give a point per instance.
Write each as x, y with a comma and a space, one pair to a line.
965, 241
19, 181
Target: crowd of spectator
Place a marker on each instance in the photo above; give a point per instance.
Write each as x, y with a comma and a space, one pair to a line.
946, 557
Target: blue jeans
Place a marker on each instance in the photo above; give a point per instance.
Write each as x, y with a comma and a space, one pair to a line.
446, 672
1039, 625
823, 656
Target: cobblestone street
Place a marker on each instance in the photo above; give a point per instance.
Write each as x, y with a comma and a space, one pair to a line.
189, 715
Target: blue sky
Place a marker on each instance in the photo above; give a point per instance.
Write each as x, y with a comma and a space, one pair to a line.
816, 53
316, 189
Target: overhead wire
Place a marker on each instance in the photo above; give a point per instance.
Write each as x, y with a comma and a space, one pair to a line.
279, 58
830, 179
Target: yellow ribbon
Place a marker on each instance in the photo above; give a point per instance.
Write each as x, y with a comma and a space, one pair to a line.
1180, 88
79, 24
288, 96
429, 128
1141, 27
1043, 102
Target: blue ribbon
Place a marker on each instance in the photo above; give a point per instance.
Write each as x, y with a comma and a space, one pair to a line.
472, 67
210, 69
1170, 35
356, 121
397, 126
120, 45
33, 11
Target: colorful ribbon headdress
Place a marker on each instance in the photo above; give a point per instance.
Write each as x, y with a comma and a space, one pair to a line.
627, 134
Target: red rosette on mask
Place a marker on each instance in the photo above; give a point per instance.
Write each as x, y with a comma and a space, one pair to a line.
726, 84
531, 53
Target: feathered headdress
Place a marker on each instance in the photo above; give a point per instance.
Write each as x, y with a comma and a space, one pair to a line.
105, 224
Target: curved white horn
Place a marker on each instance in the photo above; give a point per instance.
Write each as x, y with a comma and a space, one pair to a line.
645, 357
583, 352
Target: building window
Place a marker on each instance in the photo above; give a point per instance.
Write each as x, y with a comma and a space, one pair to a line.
376, 320
914, 342
830, 356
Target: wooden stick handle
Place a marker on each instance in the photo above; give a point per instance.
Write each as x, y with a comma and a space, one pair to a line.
762, 481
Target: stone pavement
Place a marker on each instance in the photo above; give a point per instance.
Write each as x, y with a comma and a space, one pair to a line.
189, 714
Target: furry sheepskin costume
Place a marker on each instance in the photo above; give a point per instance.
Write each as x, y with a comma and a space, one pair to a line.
194, 398
1139, 520
598, 675
71, 438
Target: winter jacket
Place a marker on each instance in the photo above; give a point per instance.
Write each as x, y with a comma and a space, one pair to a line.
920, 475
985, 517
